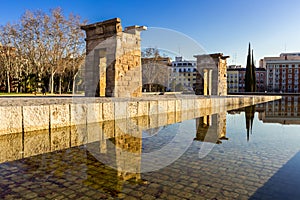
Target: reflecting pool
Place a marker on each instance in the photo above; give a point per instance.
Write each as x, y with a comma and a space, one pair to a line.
248, 153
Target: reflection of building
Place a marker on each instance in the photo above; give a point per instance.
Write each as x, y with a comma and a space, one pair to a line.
211, 128
284, 111
282, 72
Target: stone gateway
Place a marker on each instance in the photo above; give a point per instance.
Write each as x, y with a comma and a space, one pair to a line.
113, 60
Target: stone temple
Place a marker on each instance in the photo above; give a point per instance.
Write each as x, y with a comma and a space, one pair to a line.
113, 59
113, 63
213, 69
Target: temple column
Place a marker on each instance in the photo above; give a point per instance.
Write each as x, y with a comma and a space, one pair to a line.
205, 82
210, 82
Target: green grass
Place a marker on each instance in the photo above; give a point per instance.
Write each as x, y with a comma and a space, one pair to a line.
4, 94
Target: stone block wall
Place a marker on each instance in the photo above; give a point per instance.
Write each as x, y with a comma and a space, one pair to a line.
16, 119
222, 76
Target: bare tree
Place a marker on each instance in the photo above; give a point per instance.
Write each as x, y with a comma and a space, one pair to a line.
7, 55
155, 69
48, 46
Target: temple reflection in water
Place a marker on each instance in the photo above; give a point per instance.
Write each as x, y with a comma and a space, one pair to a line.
119, 144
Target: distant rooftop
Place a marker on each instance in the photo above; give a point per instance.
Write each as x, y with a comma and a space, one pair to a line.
290, 54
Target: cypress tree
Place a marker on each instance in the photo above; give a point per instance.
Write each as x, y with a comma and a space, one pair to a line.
249, 74
253, 74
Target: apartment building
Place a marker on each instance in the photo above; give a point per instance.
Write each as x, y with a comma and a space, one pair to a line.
182, 74
282, 72
236, 79
233, 78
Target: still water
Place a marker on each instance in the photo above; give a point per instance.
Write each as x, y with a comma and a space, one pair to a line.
249, 153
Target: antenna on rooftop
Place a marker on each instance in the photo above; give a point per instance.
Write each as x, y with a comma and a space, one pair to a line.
285, 47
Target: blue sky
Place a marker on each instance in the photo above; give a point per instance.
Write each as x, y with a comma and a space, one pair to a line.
217, 26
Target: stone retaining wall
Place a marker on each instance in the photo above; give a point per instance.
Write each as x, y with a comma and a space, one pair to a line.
18, 115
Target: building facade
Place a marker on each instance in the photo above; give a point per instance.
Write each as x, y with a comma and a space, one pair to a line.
236, 79
233, 78
183, 75
282, 72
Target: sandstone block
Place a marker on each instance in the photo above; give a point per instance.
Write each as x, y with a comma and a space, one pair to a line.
132, 109
78, 114
143, 108
108, 111
120, 110
59, 115
36, 117
11, 119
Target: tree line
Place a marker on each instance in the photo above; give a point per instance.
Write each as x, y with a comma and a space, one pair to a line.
42, 51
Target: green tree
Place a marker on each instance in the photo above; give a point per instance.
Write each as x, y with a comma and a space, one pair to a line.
253, 74
250, 80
